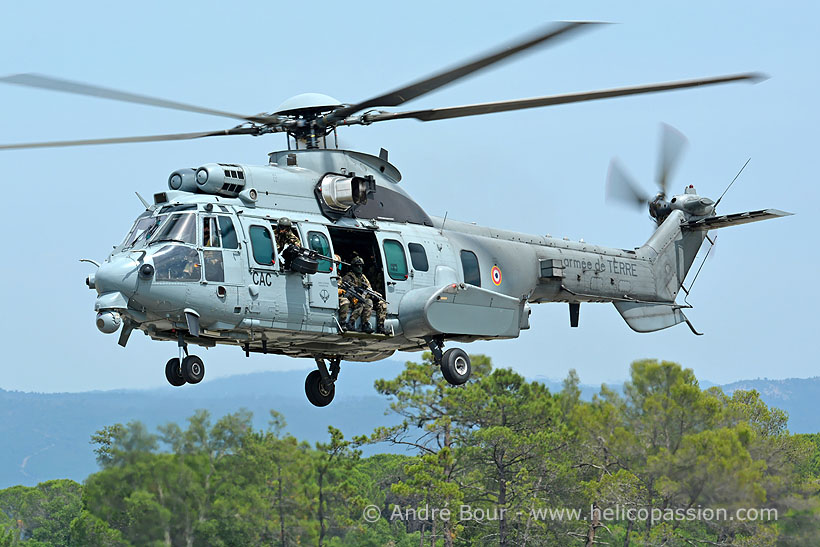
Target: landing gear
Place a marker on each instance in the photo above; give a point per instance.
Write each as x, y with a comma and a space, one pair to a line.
173, 373
320, 384
181, 370
454, 363
455, 366
193, 369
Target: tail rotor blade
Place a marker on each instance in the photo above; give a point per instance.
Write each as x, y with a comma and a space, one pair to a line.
621, 187
673, 143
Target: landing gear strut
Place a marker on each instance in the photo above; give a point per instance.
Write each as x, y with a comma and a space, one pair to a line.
185, 368
454, 363
320, 385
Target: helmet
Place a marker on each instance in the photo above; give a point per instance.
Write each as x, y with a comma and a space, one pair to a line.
283, 223
357, 265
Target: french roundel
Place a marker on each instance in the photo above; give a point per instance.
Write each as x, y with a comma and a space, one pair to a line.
495, 275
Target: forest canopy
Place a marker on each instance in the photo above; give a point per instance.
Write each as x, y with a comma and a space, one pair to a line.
498, 461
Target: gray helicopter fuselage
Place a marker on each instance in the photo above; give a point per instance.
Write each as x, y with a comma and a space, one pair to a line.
440, 277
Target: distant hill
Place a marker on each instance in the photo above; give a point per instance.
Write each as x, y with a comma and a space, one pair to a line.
797, 396
46, 436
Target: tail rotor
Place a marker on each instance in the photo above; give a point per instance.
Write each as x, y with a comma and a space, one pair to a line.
622, 187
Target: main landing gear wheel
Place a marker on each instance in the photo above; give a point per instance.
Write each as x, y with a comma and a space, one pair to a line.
318, 392
173, 373
193, 369
455, 366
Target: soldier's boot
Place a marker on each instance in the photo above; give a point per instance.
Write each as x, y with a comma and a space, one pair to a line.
380, 328
366, 328
351, 323
343, 317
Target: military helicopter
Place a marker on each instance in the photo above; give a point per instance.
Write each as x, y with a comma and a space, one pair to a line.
200, 265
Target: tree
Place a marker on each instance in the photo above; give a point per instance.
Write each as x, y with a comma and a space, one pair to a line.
511, 436
333, 462
422, 397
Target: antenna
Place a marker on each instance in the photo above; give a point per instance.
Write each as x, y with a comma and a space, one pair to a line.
441, 231
709, 250
143, 201
733, 181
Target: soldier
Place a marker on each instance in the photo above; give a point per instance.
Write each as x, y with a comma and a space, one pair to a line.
285, 237
380, 307
362, 307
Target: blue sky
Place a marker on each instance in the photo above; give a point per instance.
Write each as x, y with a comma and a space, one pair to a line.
538, 171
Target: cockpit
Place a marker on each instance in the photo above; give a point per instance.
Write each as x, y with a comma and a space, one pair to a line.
173, 236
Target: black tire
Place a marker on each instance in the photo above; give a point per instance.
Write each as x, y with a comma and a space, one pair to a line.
173, 373
317, 393
455, 366
193, 369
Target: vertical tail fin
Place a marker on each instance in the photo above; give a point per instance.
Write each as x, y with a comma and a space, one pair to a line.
672, 252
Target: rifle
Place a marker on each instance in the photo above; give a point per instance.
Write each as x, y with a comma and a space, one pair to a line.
360, 292
374, 294
310, 253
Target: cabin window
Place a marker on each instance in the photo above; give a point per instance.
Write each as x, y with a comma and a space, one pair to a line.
319, 243
396, 262
229, 239
214, 268
262, 245
418, 257
210, 232
177, 263
469, 263
180, 228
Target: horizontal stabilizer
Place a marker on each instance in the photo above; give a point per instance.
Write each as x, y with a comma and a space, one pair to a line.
722, 221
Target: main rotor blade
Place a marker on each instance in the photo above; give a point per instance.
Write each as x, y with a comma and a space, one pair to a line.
549, 100
673, 143
426, 85
78, 88
623, 188
121, 140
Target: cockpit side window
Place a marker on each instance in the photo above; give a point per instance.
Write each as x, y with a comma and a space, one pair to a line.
262, 245
177, 263
180, 228
210, 232
229, 239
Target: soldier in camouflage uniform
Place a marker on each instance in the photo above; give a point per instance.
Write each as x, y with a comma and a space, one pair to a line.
285, 237
362, 307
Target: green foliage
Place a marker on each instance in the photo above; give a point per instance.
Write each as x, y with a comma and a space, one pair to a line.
508, 450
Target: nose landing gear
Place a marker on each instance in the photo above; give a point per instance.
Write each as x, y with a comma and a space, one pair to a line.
181, 370
320, 385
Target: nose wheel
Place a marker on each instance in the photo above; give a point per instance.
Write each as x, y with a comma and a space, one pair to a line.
173, 373
320, 385
184, 370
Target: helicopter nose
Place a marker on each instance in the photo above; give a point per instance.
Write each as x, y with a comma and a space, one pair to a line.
119, 274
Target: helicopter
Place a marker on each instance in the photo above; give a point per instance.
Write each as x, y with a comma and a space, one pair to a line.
200, 266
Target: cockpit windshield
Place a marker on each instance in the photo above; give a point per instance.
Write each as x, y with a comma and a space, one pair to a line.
180, 227
143, 224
